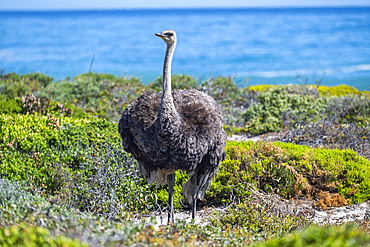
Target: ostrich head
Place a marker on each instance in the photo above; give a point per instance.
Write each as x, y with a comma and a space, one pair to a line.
169, 36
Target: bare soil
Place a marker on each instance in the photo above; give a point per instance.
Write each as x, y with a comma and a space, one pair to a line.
331, 215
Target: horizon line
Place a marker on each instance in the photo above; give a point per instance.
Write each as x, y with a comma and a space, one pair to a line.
190, 8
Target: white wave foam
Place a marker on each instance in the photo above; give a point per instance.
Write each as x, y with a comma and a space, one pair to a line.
356, 68
290, 73
304, 72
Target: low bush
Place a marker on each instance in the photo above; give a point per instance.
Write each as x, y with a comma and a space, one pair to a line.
26, 133
45, 80
341, 90
260, 165
333, 236
231, 130
261, 216
329, 133
103, 95
30, 104
343, 124
32, 214
13, 85
290, 170
182, 82
107, 182
11, 106
349, 109
280, 107
71, 159
260, 88
267, 114
23, 235
94, 131
258, 222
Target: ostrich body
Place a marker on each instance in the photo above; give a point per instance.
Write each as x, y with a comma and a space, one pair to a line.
175, 130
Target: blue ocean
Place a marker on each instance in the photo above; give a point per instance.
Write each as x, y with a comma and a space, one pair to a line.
255, 46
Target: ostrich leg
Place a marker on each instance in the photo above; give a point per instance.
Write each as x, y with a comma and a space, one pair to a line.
194, 209
171, 182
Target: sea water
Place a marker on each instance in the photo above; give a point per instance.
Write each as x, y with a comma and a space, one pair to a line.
255, 46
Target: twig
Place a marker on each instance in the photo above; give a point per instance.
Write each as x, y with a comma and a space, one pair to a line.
88, 79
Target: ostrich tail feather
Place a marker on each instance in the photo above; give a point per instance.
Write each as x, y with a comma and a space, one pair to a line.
196, 187
159, 176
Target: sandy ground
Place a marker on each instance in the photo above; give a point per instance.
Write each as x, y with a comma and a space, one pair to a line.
266, 137
243, 138
344, 214
201, 218
334, 215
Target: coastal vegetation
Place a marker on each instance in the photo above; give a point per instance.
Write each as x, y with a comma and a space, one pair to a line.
66, 181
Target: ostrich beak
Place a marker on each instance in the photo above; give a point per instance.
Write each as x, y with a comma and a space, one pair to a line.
159, 35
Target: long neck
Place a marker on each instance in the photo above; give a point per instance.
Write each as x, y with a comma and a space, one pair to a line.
167, 118
167, 71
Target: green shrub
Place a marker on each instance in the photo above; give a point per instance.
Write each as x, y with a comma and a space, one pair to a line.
341, 90
32, 214
66, 157
267, 114
259, 216
288, 169
33, 132
11, 106
259, 88
95, 77
106, 181
42, 78
354, 109
182, 82
333, 236
30, 149
231, 130
23, 235
344, 168
30, 104
13, 85
230, 181
103, 95
16, 202
94, 131
239, 225
222, 89
261, 165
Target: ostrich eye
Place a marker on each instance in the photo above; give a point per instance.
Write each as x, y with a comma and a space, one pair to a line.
169, 34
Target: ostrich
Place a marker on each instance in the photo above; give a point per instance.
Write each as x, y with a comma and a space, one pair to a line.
178, 130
